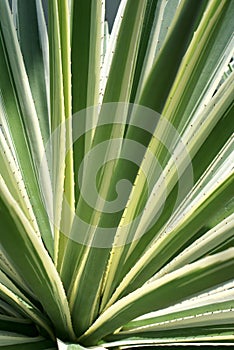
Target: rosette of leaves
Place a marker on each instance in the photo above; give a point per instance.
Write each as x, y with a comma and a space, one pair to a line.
172, 285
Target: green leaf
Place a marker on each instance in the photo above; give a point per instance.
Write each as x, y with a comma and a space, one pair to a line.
17, 325
31, 30
89, 257
19, 78
33, 262
105, 244
87, 31
219, 313
187, 281
12, 341
172, 240
202, 246
12, 120
60, 93
206, 342
69, 191
8, 310
166, 184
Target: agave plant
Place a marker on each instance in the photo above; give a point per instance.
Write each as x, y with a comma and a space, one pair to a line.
117, 181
